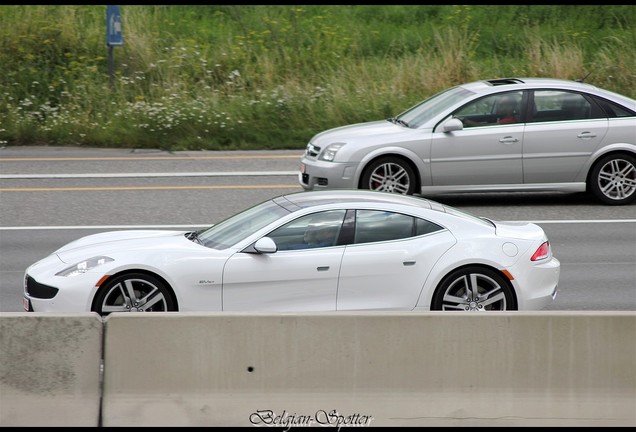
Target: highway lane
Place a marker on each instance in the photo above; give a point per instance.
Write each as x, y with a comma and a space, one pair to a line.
598, 262
49, 196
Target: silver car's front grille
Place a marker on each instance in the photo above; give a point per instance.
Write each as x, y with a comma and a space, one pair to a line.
312, 151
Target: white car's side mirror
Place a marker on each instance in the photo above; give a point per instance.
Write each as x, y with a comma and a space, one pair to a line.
265, 245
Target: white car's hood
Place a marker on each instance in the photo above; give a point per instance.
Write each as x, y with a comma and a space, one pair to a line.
120, 241
382, 130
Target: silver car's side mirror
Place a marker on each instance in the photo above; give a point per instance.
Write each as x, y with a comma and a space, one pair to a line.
265, 245
452, 124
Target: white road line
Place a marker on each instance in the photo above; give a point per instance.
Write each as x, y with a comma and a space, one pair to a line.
106, 227
136, 175
101, 227
585, 221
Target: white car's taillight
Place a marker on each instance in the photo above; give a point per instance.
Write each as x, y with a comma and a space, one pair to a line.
542, 252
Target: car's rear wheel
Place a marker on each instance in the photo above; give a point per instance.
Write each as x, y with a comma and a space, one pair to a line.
390, 174
133, 292
613, 179
474, 289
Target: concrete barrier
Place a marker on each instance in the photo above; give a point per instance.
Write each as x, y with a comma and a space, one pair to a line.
370, 369
50, 369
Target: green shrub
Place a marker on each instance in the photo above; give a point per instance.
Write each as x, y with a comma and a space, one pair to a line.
270, 77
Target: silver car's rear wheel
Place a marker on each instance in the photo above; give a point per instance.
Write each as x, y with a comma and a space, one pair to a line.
133, 292
613, 179
390, 174
474, 289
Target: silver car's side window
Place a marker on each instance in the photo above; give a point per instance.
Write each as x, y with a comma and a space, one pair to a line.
613, 110
555, 105
498, 109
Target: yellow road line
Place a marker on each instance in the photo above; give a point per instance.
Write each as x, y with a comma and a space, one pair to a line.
124, 188
134, 158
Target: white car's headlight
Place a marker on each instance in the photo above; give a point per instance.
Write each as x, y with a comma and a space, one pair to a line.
84, 266
329, 153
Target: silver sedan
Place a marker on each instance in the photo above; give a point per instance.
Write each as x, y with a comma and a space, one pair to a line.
530, 134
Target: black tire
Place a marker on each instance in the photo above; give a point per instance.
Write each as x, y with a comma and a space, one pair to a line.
613, 179
134, 292
474, 289
389, 174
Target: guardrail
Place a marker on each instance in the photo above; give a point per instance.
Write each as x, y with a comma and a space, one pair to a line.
50, 369
338, 369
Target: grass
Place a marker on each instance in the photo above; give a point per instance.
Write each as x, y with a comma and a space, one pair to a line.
270, 77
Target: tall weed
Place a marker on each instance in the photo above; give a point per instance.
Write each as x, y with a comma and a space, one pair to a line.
243, 77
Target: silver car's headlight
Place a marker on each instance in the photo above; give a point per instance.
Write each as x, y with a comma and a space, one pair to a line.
329, 153
84, 266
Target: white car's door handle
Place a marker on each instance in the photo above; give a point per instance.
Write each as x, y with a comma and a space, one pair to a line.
408, 263
508, 140
586, 135
323, 268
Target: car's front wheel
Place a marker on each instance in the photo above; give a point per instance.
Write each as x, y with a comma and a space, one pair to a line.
390, 174
133, 292
613, 179
474, 289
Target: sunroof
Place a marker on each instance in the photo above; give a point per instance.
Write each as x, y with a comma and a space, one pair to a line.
504, 81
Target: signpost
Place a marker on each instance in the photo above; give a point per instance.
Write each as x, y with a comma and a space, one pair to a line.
114, 37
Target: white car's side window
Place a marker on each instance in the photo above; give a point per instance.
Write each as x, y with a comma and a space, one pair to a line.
311, 231
376, 226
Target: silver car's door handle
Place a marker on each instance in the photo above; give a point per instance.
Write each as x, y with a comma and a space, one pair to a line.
322, 268
408, 263
586, 135
508, 140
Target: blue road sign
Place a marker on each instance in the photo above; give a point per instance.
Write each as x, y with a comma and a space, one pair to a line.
114, 36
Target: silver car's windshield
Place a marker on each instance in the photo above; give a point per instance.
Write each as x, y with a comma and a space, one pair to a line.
237, 227
431, 107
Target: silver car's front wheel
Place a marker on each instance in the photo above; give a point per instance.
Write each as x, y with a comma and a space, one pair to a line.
474, 289
613, 179
133, 292
390, 174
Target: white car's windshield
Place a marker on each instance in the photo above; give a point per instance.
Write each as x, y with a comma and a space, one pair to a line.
431, 107
237, 227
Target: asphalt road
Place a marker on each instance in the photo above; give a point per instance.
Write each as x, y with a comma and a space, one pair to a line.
51, 195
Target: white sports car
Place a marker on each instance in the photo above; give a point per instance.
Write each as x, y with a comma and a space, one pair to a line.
342, 250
